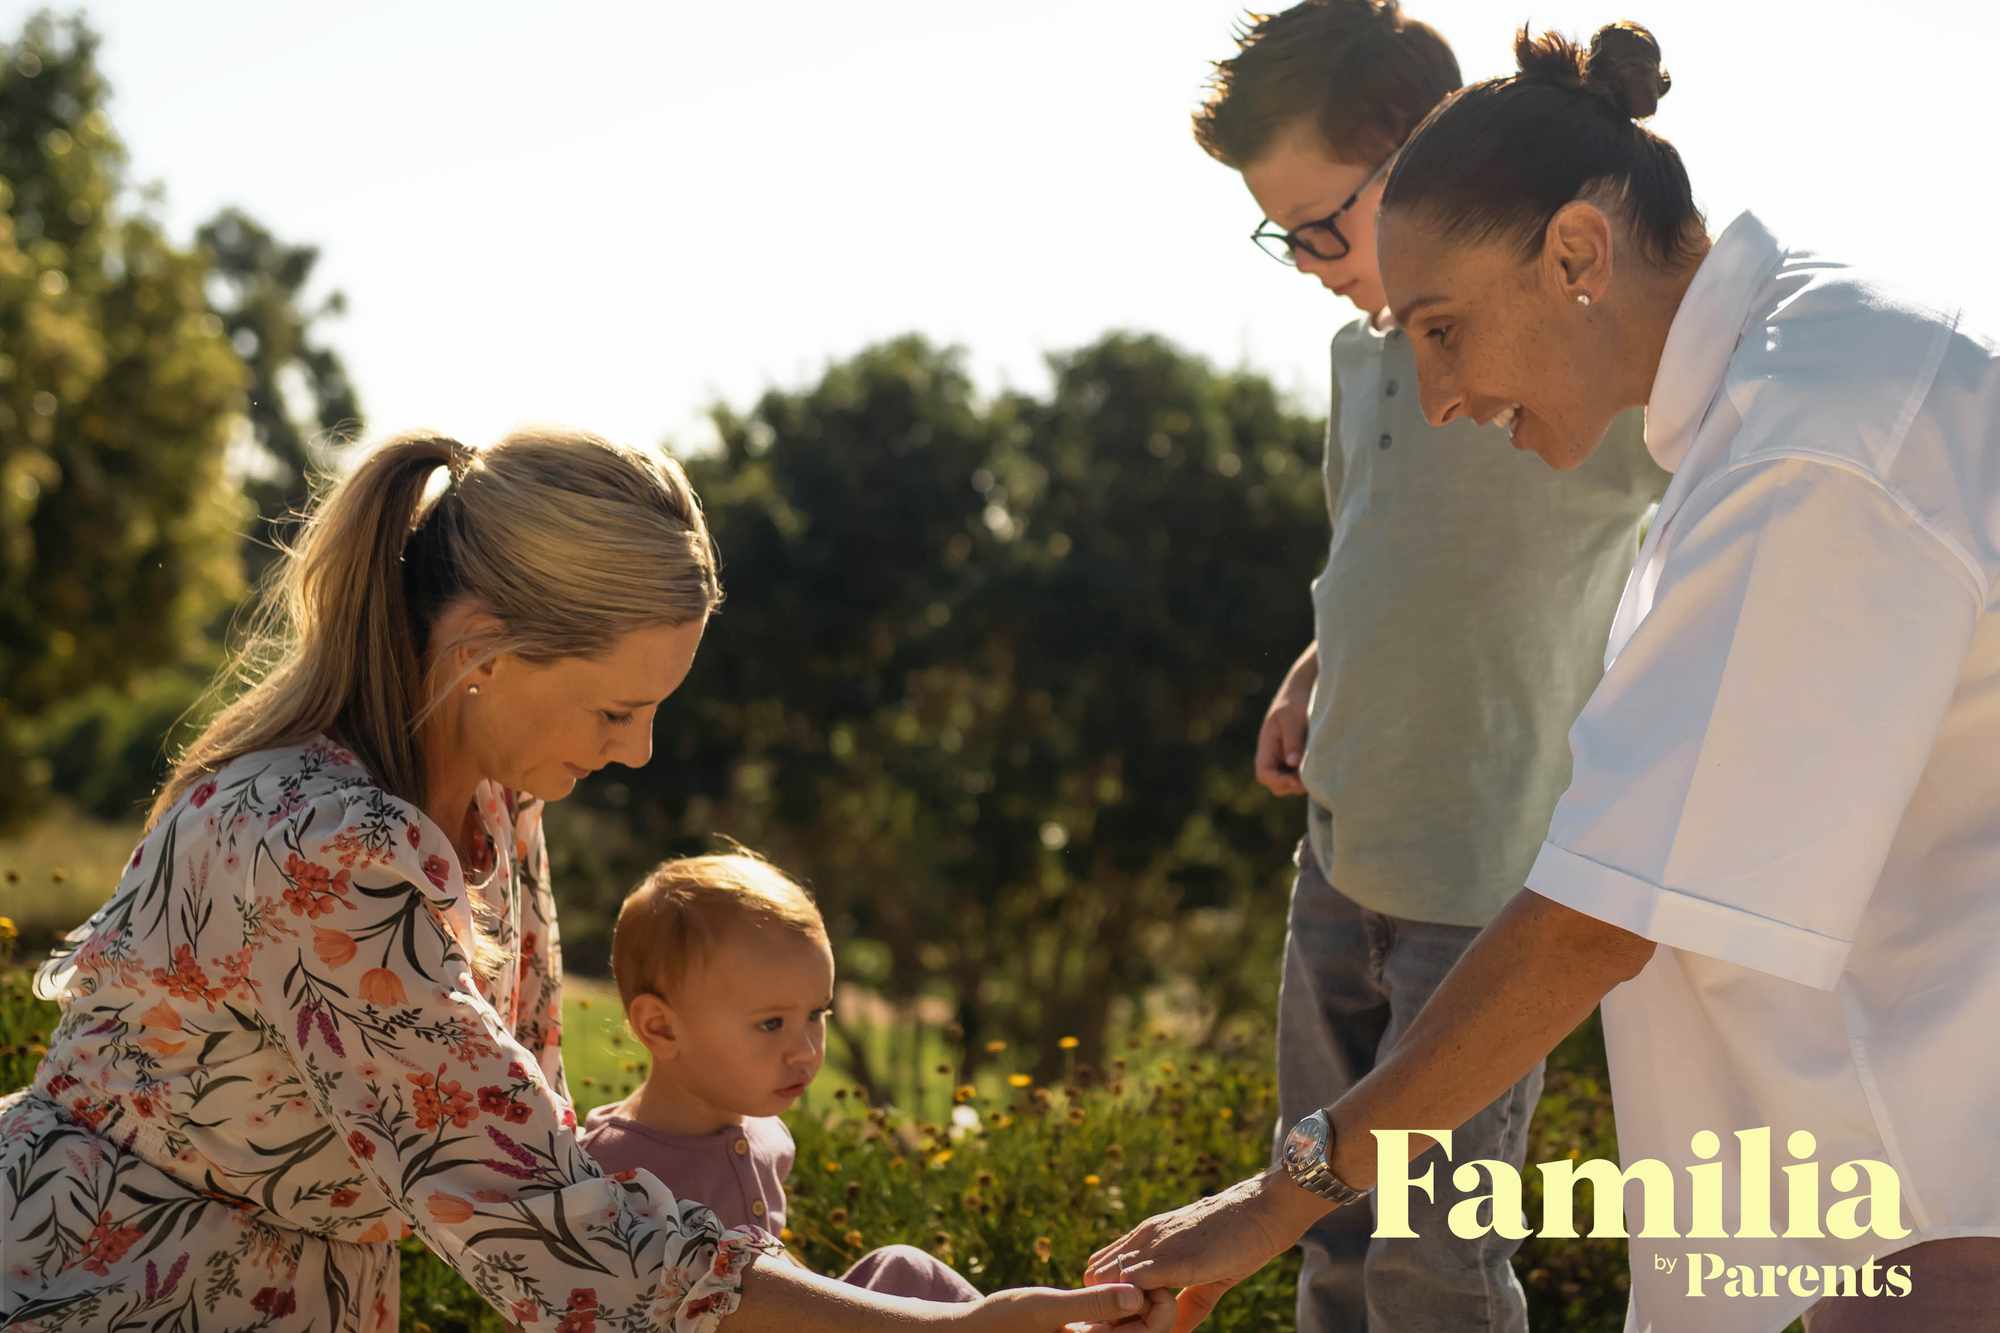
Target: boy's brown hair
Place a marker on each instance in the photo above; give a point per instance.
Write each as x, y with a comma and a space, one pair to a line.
1358, 70
676, 916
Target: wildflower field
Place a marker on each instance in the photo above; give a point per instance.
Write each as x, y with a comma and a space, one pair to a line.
1011, 1181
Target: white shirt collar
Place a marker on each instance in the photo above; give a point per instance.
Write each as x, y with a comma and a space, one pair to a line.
1703, 336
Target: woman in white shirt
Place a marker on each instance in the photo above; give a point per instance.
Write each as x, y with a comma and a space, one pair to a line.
1781, 845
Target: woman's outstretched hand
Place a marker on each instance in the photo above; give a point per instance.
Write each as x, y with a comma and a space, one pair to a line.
1119, 1307
1207, 1247
779, 1298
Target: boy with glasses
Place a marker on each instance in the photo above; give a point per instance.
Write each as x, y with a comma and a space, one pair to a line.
1460, 624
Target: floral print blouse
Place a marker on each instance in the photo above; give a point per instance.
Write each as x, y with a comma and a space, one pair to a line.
275, 1059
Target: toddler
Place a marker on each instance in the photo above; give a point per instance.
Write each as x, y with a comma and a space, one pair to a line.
726, 976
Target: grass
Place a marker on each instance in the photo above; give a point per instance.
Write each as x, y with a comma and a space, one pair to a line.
57, 870
1013, 1184
1046, 1173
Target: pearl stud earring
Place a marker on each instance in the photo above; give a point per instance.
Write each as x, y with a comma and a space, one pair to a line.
1583, 298
472, 689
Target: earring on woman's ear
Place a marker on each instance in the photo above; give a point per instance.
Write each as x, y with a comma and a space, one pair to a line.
472, 689
1583, 298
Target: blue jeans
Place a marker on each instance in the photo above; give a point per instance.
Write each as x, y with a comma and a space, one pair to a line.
1353, 982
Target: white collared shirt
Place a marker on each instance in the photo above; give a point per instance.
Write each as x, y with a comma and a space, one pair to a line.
1790, 775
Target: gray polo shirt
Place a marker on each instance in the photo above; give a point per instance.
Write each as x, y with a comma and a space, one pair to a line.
1461, 619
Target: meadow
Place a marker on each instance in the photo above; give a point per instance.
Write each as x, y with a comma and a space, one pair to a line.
1011, 1181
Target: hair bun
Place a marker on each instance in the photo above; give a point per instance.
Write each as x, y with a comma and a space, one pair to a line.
1624, 66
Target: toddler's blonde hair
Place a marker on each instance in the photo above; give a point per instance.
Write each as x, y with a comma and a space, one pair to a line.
676, 917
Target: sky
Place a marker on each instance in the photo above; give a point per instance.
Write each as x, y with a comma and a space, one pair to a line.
611, 215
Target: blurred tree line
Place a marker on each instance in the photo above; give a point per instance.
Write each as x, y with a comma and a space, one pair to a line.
989, 671
158, 403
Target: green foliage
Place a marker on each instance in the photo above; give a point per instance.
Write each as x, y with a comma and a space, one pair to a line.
990, 674
301, 402
25, 1022
107, 748
118, 397
1050, 1172
1041, 1176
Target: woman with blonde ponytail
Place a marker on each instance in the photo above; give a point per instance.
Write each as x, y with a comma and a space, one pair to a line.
321, 1009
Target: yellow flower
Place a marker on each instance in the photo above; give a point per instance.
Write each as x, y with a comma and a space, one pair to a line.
853, 1239
1044, 1248
1002, 1120
1166, 1066
1018, 1080
940, 1157
8, 933
1092, 1181
785, 1235
966, 1092
1069, 1043
832, 1167
1225, 1114
995, 1047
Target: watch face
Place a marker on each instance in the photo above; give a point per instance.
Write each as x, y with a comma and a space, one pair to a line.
1306, 1144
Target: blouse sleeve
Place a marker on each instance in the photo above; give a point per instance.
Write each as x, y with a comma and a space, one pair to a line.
360, 956
539, 1027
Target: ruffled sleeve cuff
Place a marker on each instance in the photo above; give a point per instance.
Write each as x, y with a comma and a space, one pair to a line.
695, 1297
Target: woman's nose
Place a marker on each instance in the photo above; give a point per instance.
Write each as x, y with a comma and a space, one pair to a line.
1442, 402
634, 748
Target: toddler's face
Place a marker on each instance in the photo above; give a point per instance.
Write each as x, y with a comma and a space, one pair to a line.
753, 1021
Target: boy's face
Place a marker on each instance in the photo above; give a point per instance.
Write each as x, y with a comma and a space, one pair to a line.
750, 1031
1296, 181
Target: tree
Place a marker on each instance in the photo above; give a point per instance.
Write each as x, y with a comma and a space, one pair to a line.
118, 396
990, 674
257, 284
1168, 519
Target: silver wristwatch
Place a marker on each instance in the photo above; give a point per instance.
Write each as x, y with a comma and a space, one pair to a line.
1306, 1150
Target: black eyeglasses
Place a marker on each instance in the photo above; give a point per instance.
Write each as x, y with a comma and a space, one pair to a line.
1284, 245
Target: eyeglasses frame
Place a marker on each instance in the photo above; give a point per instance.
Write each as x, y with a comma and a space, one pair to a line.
1294, 242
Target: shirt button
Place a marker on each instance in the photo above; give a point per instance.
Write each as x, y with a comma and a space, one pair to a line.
756, 1208
1384, 442
742, 1147
1390, 389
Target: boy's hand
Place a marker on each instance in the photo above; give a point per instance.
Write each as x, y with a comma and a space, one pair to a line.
1281, 742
